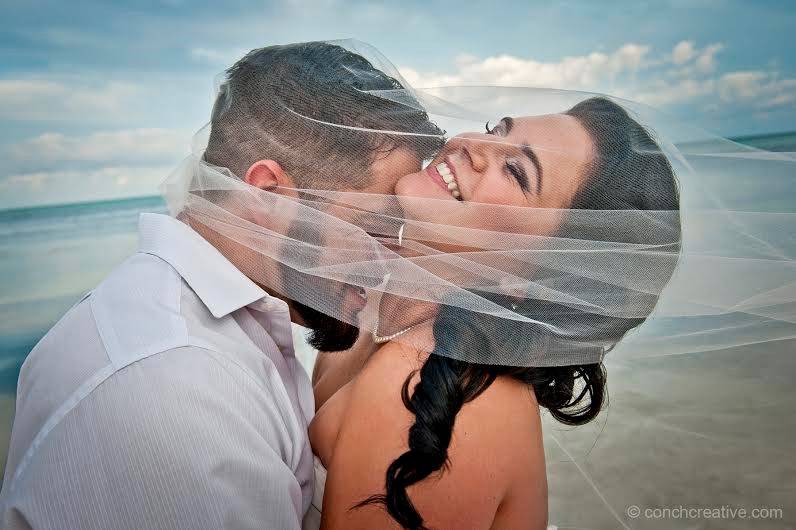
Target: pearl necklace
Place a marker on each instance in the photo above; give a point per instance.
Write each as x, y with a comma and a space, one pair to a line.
380, 340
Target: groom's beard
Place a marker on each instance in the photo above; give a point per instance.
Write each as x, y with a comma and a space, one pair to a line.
326, 333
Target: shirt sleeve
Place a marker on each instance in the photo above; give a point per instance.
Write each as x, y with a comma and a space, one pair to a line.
176, 441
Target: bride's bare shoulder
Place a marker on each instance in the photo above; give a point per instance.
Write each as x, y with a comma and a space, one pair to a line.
507, 402
496, 444
391, 363
395, 362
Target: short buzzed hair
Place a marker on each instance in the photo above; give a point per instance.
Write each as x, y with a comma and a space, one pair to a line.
263, 107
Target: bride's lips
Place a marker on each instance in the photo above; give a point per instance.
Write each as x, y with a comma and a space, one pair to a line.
432, 172
444, 175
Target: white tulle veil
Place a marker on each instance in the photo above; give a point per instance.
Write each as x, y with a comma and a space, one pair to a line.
629, 280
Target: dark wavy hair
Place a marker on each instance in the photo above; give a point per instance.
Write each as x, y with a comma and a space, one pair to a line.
628, 172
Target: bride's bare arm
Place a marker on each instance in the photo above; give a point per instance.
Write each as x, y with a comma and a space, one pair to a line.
496, 477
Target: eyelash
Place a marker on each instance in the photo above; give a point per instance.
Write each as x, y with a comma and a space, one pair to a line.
519, 175
517, 172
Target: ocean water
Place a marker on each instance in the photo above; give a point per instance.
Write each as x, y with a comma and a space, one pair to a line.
49, 256
651, 449
780, 142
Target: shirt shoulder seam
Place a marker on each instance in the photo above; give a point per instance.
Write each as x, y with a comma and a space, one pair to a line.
94, 382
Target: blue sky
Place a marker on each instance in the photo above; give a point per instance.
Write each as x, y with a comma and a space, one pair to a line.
99, 99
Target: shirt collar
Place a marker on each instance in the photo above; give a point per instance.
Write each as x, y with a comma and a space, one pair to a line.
215, 280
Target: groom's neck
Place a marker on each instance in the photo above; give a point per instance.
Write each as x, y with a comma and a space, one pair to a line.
244, 259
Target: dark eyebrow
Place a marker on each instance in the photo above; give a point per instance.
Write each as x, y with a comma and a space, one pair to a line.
531, 154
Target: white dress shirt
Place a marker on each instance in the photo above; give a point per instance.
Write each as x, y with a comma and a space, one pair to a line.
168, 398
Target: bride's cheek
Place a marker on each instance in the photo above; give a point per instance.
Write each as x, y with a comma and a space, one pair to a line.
407, 185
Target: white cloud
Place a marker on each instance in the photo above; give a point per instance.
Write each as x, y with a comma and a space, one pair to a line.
58, 187
661, 92
739, 85
783, 93
138, 146
754, 88
582, 71
763, 89
683, 52
45, 99
686, 74
706, 62
688, 61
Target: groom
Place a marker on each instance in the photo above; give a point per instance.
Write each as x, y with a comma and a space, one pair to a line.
170, 396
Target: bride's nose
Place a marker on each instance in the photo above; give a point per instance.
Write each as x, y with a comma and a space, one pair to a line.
474, 149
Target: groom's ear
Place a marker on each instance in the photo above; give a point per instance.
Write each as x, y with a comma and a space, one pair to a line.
268, 175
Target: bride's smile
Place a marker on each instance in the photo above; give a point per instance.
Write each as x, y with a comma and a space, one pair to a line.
445, 177
536, 161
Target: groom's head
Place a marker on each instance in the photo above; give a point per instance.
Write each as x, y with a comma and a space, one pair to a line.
308, 111
303, 116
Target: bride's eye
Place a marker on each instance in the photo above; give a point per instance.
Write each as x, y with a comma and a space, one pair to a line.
518, 172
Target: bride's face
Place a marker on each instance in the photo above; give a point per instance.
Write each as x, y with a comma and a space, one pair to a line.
533, 161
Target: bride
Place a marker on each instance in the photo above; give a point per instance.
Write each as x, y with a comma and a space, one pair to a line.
418, 439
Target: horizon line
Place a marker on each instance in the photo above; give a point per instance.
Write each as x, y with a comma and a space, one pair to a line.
736, 138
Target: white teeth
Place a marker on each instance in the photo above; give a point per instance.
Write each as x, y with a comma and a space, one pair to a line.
447, 175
